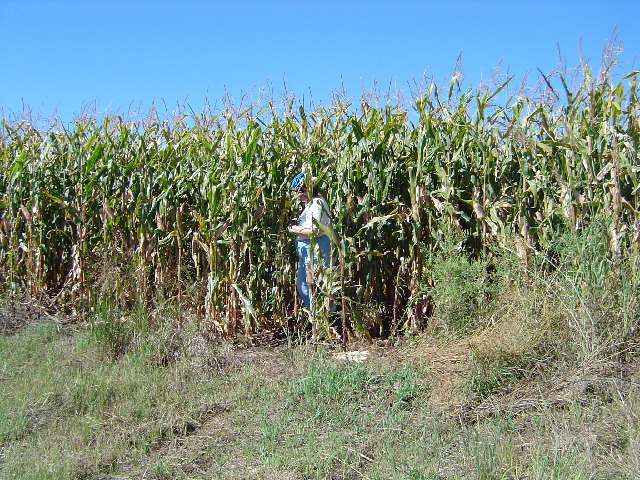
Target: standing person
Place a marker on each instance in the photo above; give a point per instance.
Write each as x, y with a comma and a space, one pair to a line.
308, 236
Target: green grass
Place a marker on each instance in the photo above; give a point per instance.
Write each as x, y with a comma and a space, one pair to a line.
78, 408
71, 409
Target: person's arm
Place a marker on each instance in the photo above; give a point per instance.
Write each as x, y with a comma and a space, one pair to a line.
304, 230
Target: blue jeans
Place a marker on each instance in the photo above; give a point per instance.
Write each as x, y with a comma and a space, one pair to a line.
306, 259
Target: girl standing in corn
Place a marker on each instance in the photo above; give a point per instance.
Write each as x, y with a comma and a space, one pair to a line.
312, 245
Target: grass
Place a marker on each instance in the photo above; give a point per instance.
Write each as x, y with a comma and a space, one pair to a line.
68, 410
71, 408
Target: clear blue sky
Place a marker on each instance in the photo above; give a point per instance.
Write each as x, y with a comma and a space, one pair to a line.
114, 56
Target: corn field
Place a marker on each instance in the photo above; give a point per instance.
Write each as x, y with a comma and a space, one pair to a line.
193, 211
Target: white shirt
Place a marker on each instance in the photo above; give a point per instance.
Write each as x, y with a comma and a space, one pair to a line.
317, 209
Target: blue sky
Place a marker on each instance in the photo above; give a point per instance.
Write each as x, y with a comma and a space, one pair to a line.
63, 57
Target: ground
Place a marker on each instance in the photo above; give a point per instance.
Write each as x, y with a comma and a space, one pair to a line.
187, 442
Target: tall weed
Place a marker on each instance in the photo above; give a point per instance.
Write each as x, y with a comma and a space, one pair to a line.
461, 285
595, 287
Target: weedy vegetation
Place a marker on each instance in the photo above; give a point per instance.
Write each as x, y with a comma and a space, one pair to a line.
486, 243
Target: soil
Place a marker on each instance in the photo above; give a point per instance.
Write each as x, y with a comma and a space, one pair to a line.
17, 315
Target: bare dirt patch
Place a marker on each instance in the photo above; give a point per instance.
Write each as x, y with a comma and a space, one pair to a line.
17, 315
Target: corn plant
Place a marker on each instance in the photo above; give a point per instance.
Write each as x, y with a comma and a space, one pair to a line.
193, 210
